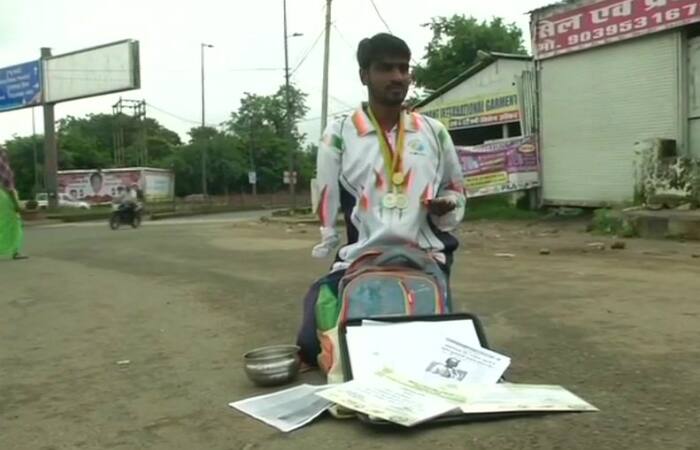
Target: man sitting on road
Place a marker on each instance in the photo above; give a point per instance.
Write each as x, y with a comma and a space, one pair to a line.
394, 174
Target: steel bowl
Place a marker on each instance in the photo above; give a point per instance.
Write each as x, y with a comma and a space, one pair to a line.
272, 366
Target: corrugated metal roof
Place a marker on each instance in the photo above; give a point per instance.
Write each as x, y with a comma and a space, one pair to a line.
482, 63
561, 4
519, 56
546, 7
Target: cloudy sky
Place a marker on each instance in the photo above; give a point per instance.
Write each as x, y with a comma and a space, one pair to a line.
246, 35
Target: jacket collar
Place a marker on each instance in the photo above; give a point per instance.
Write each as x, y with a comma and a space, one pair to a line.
363, 124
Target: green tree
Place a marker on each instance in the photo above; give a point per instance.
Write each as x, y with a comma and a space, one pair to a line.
261, 127
455, 42
225, 162
256, 135
306, 165
21, 151
87, 143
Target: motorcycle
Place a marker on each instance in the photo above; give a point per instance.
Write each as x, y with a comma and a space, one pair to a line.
125, 215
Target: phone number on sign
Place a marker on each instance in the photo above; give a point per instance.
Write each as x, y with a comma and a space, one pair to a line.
640, 23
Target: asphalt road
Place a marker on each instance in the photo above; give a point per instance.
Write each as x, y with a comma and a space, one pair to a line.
182, 300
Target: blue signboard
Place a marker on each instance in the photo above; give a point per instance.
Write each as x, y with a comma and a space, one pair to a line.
20, 86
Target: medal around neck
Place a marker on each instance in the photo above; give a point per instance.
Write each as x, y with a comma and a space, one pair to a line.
401, 201
389, 201
398, 178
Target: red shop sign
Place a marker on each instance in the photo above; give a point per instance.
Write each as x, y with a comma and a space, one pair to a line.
606, 21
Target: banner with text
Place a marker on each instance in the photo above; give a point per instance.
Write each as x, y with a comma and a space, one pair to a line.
606, 21
506, 165
478, 111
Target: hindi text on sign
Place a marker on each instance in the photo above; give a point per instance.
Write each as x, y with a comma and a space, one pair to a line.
608, 21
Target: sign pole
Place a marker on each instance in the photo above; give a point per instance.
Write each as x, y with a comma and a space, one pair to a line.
50, 150
35, 155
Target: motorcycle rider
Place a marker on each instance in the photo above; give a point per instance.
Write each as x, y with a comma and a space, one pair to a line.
127, 200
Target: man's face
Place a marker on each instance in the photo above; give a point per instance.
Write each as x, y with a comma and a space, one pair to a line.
96, 182
387, 80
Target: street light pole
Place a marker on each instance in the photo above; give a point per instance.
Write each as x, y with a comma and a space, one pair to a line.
326, 60
292, 191
204, 150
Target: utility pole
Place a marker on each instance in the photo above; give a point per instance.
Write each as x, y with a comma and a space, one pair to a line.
252, 157
36, 159
141, 115
118, 134
292, 191
326, 62
138, 108
50, 150
206, 144
116, 146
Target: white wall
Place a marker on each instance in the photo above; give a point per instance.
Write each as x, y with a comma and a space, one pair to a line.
497, 77
594, 105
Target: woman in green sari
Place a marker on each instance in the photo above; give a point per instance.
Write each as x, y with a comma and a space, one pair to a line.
11, 234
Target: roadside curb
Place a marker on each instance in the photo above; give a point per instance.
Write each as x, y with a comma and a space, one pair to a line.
40, 223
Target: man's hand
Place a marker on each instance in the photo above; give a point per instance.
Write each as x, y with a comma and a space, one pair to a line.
441, 206
329, 243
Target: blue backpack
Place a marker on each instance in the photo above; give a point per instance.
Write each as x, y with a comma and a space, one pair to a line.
392, 281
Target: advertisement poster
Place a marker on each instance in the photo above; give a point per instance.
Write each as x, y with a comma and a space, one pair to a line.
497, 167
490, 109
158, 186
97, 186
605, 21
103, 186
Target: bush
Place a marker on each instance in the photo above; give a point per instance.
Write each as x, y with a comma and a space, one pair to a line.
32, 205
499, 207
608, 221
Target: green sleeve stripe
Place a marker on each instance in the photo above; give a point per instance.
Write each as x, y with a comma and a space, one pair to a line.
337, 142
444, 137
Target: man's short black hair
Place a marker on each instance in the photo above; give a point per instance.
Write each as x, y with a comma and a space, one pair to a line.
380, 46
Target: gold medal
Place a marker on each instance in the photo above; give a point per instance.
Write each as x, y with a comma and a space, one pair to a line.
389, 201
401, 201
392, 159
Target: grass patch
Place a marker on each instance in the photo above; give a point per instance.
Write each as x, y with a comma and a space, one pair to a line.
498, 207
611, 222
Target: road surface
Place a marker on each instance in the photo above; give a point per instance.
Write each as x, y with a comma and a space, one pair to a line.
182, 300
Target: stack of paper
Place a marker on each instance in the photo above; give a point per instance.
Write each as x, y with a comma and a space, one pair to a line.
445, 352
412, 372
386, 395
507, 397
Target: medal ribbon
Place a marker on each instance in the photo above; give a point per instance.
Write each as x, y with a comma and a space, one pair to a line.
392, 159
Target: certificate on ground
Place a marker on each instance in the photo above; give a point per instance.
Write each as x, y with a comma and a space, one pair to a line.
391, 397
286, 410
506, 397
454, 362
411, 347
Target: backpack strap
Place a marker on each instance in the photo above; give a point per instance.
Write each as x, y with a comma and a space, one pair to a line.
402, 259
